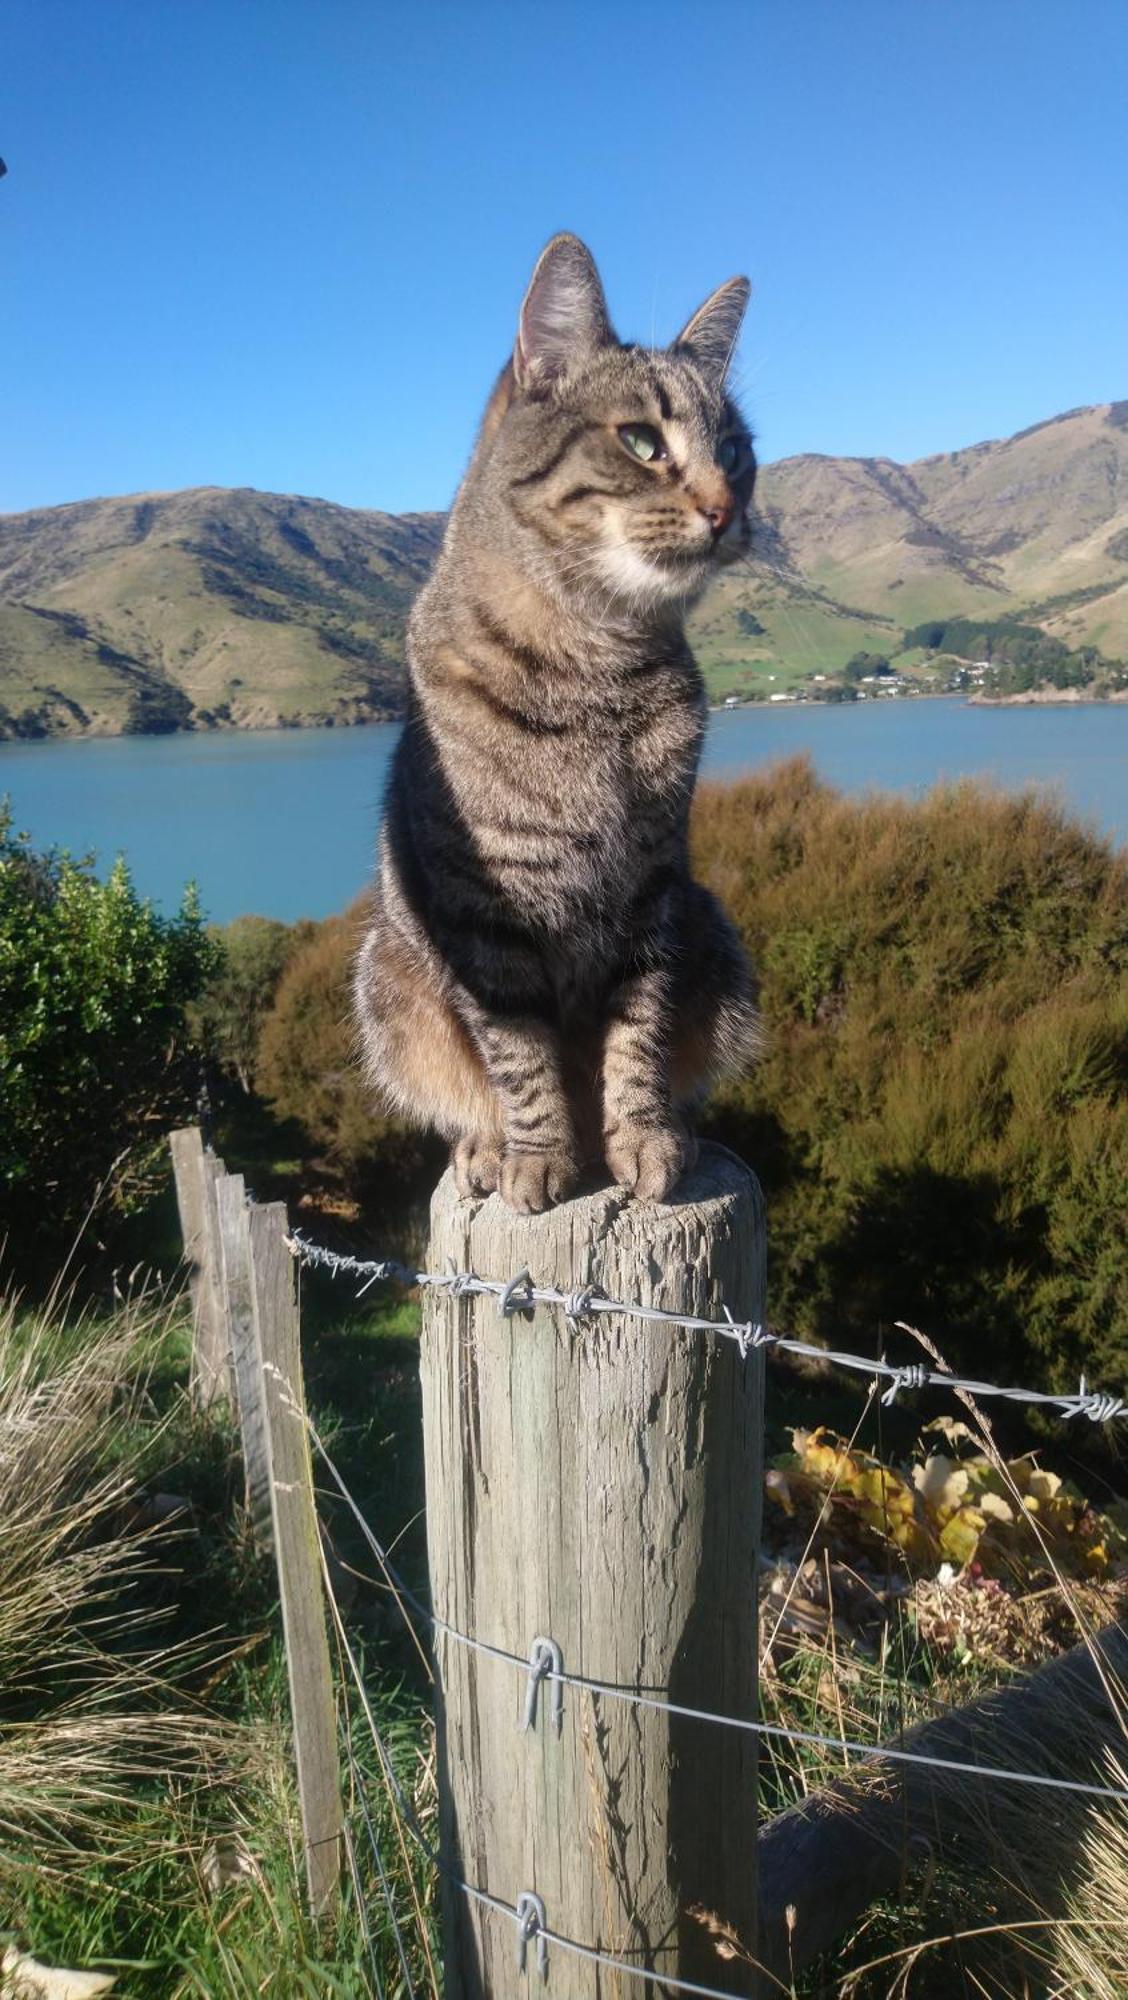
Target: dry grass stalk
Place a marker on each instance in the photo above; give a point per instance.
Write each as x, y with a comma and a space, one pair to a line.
90, 1710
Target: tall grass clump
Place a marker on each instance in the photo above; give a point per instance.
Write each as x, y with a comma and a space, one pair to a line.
96, 1715
941, 1118
122, 1776
1088, 1950
149, 1824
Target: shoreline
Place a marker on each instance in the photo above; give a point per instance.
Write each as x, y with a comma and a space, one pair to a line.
1047, 698
1032, 698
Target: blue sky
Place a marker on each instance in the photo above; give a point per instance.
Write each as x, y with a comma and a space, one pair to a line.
281, 243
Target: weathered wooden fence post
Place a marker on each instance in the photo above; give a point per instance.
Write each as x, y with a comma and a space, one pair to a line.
196, 1170
297, 1548
597, 1483
233, 1222
246, 1346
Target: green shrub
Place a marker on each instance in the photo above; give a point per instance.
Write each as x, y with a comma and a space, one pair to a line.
252, 953
95, 1061
941, 1120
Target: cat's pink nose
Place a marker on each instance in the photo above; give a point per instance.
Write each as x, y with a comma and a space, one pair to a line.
719, 517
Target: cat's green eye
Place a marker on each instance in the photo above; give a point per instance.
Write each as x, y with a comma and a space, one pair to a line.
643, 441
729, 454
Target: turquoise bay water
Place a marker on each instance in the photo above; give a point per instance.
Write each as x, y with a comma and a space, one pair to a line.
283, 822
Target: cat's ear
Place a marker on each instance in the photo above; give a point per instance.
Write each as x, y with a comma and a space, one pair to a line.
564, 316
711, 334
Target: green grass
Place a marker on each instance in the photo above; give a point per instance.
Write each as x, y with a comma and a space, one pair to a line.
801, 637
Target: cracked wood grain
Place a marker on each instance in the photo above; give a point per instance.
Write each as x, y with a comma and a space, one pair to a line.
598, 1484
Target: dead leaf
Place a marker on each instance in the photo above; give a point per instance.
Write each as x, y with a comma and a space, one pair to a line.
23, 1978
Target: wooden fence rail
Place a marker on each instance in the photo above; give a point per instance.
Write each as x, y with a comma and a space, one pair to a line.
246, 1347
196, 1170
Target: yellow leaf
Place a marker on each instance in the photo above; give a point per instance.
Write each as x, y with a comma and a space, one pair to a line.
959, 1537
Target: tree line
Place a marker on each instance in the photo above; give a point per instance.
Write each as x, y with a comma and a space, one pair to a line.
1020, 657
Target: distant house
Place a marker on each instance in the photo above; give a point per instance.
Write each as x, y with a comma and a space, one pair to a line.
732, 701
781, 697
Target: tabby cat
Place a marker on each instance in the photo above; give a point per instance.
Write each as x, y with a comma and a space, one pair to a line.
543, 981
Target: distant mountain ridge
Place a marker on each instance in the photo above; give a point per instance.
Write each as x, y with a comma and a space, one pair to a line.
233, 608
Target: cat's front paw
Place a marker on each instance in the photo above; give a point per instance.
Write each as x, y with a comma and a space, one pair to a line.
650, 1159
531, 1182
476, 1160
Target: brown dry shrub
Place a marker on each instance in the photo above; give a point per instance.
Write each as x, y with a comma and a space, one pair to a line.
941, 1120
308, 1064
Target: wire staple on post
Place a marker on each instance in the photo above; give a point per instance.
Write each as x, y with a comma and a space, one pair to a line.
508, 1302
545, 1659
460, 1284
531, 1923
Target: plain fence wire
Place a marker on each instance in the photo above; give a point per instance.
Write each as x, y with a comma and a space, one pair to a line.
360, 1794
528, 1925
361, 1899
534, 1669
518, 1294
385, 1885
388, 1772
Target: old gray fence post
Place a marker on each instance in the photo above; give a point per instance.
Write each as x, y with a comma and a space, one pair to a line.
196, 1170
297, 1549
233, 1218
597, 1483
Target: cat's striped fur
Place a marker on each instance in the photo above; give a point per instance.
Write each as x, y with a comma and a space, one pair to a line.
543, 981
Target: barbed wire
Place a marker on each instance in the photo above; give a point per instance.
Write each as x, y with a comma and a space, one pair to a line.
520, 1294
537, 1669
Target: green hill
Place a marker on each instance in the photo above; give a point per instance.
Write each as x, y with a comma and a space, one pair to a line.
855, 551
205, 608
215, 608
